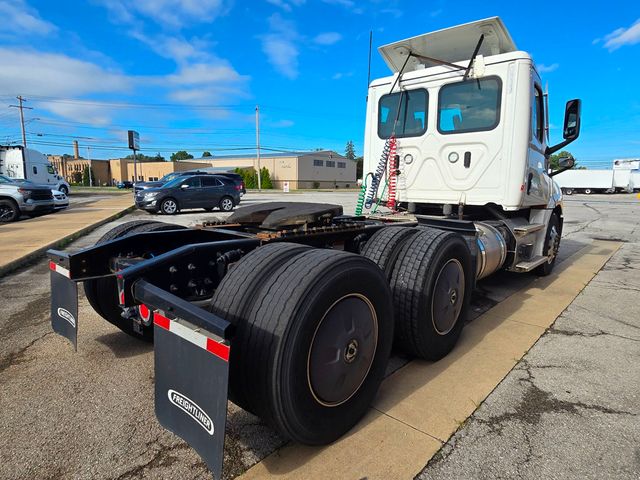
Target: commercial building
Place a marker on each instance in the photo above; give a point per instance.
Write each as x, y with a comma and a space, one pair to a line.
318, 169
110, 172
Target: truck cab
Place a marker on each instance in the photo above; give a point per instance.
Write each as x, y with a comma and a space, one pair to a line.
469, 131
28, 164
465, 114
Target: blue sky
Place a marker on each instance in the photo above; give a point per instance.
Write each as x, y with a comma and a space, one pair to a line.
187, 74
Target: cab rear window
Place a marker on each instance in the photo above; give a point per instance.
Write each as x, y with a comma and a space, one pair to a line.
403, 114
469, 106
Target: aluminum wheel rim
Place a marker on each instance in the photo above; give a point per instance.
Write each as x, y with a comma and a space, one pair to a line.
554, 244
169, 206
227, 204
448, 297
342, 350
5, 212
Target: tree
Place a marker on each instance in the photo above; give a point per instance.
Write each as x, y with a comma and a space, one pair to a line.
145, 158
250, 177
350, 150
85, 177
206, 153
180, 155
265, 179
359, 162
555, 158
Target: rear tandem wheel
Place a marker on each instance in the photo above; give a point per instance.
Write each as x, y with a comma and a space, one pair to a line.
314, 341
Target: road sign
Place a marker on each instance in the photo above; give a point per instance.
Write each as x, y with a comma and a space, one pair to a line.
134, 140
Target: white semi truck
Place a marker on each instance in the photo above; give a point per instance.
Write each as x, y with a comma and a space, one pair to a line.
17, 162
291, 309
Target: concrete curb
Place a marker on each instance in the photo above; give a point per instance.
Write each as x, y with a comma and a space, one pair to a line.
39, 253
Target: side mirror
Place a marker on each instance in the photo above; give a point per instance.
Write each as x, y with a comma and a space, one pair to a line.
184, 186
565, 163
571, 128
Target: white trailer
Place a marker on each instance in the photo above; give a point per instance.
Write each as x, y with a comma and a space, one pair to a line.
586, 181
302, 303
17, 162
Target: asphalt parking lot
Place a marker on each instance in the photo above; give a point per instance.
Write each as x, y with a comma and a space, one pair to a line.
570, 408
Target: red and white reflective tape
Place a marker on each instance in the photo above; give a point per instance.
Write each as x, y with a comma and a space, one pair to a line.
59, 269
219, 349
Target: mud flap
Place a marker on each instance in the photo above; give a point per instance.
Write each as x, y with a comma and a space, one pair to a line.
64, 304
192, 372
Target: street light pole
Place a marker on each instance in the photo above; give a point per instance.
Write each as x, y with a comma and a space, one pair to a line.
258, 145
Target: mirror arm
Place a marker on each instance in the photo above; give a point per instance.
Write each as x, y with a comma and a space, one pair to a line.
555, 148
556, 172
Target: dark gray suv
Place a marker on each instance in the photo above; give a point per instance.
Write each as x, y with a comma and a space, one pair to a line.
197, 191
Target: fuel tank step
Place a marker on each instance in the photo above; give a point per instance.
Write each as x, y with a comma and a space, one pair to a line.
531, 264
523, 230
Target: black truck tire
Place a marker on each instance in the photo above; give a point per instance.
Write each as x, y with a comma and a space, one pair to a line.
9, 211
384, 246
318, 338
431, 283
102, 293
552, 241
235, 296
118, 231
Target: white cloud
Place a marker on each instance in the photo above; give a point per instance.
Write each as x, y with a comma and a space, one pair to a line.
622, 36
348, 4
20, 18
280, 46
327, 38
169, 13
542, 68
339, 75
52, 74
56, 75
282, 124
394, 12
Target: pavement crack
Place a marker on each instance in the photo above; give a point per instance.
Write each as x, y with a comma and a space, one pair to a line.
161, 458
599, 333
537, 402
15, 358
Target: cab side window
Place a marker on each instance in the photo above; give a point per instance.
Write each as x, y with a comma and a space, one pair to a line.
537, 115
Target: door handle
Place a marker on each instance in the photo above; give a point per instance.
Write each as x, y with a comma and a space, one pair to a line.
467, 159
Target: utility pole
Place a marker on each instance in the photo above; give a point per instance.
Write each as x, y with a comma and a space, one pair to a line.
258, 144
21, 108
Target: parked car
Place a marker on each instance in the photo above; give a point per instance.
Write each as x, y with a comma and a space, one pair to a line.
196, 191
17, 198
125, 184
60, 200
170, 176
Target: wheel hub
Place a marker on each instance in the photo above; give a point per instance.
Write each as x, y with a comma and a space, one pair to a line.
351, 351
342, 350
448, 290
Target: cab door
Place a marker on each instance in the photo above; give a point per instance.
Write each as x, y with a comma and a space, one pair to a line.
537, 182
